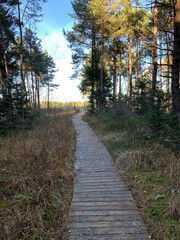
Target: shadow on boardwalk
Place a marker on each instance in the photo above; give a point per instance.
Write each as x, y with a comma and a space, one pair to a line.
102, 207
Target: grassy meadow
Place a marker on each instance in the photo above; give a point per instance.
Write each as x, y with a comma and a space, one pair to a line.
36, 178
149, 166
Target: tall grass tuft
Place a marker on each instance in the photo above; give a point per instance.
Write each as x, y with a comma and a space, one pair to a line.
35, 197
149, 164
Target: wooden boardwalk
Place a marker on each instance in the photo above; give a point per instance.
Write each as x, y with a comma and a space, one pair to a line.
102, 207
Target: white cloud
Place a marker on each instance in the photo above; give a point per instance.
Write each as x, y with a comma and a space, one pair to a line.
56, 45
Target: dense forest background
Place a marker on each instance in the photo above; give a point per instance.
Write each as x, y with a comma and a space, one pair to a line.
24, 67
127, 54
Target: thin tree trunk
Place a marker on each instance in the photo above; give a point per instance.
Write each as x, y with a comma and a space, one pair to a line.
154, 65
32, 82
127, 67
102, 69
168, 62
160, 62
120, 75
21, 47
130, 68
48, 96
21, 61
136, 65
35, 94
92, 66
38, 93
168, 71
140, 63
114, 81
29, 88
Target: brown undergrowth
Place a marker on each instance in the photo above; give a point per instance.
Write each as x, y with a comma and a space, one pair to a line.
36, 194
149, 168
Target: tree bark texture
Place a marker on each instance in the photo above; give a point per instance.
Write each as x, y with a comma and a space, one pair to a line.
102, 70
154, 64
21, 46
130, 69
120, 74
93, 42
114, 80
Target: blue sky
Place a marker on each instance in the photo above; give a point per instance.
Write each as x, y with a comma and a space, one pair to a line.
56, 17
56, 12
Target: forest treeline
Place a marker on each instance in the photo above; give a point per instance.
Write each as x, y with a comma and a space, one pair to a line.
127, 54
24, 67
62, 105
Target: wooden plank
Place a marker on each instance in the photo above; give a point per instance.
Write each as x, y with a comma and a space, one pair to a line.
76, 206
108, 230
109, 218
107, 178
100, 199
102, 194
100, 208
97, 185
104, 224
97, 203
103, 212
99, 174
112, 237
99, 189
100, 184
100, 180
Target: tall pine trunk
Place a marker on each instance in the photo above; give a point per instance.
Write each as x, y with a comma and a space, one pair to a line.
136, 64
140, 63
160, 63
102, 71
168, 63
154, 64
93, 43
32, 83
48, 96
120, 75
38, 93
21, 47
21, 60
130, 69
114, 80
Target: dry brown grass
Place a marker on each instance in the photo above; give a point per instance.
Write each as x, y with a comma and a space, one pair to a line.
35, 196
150, 170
